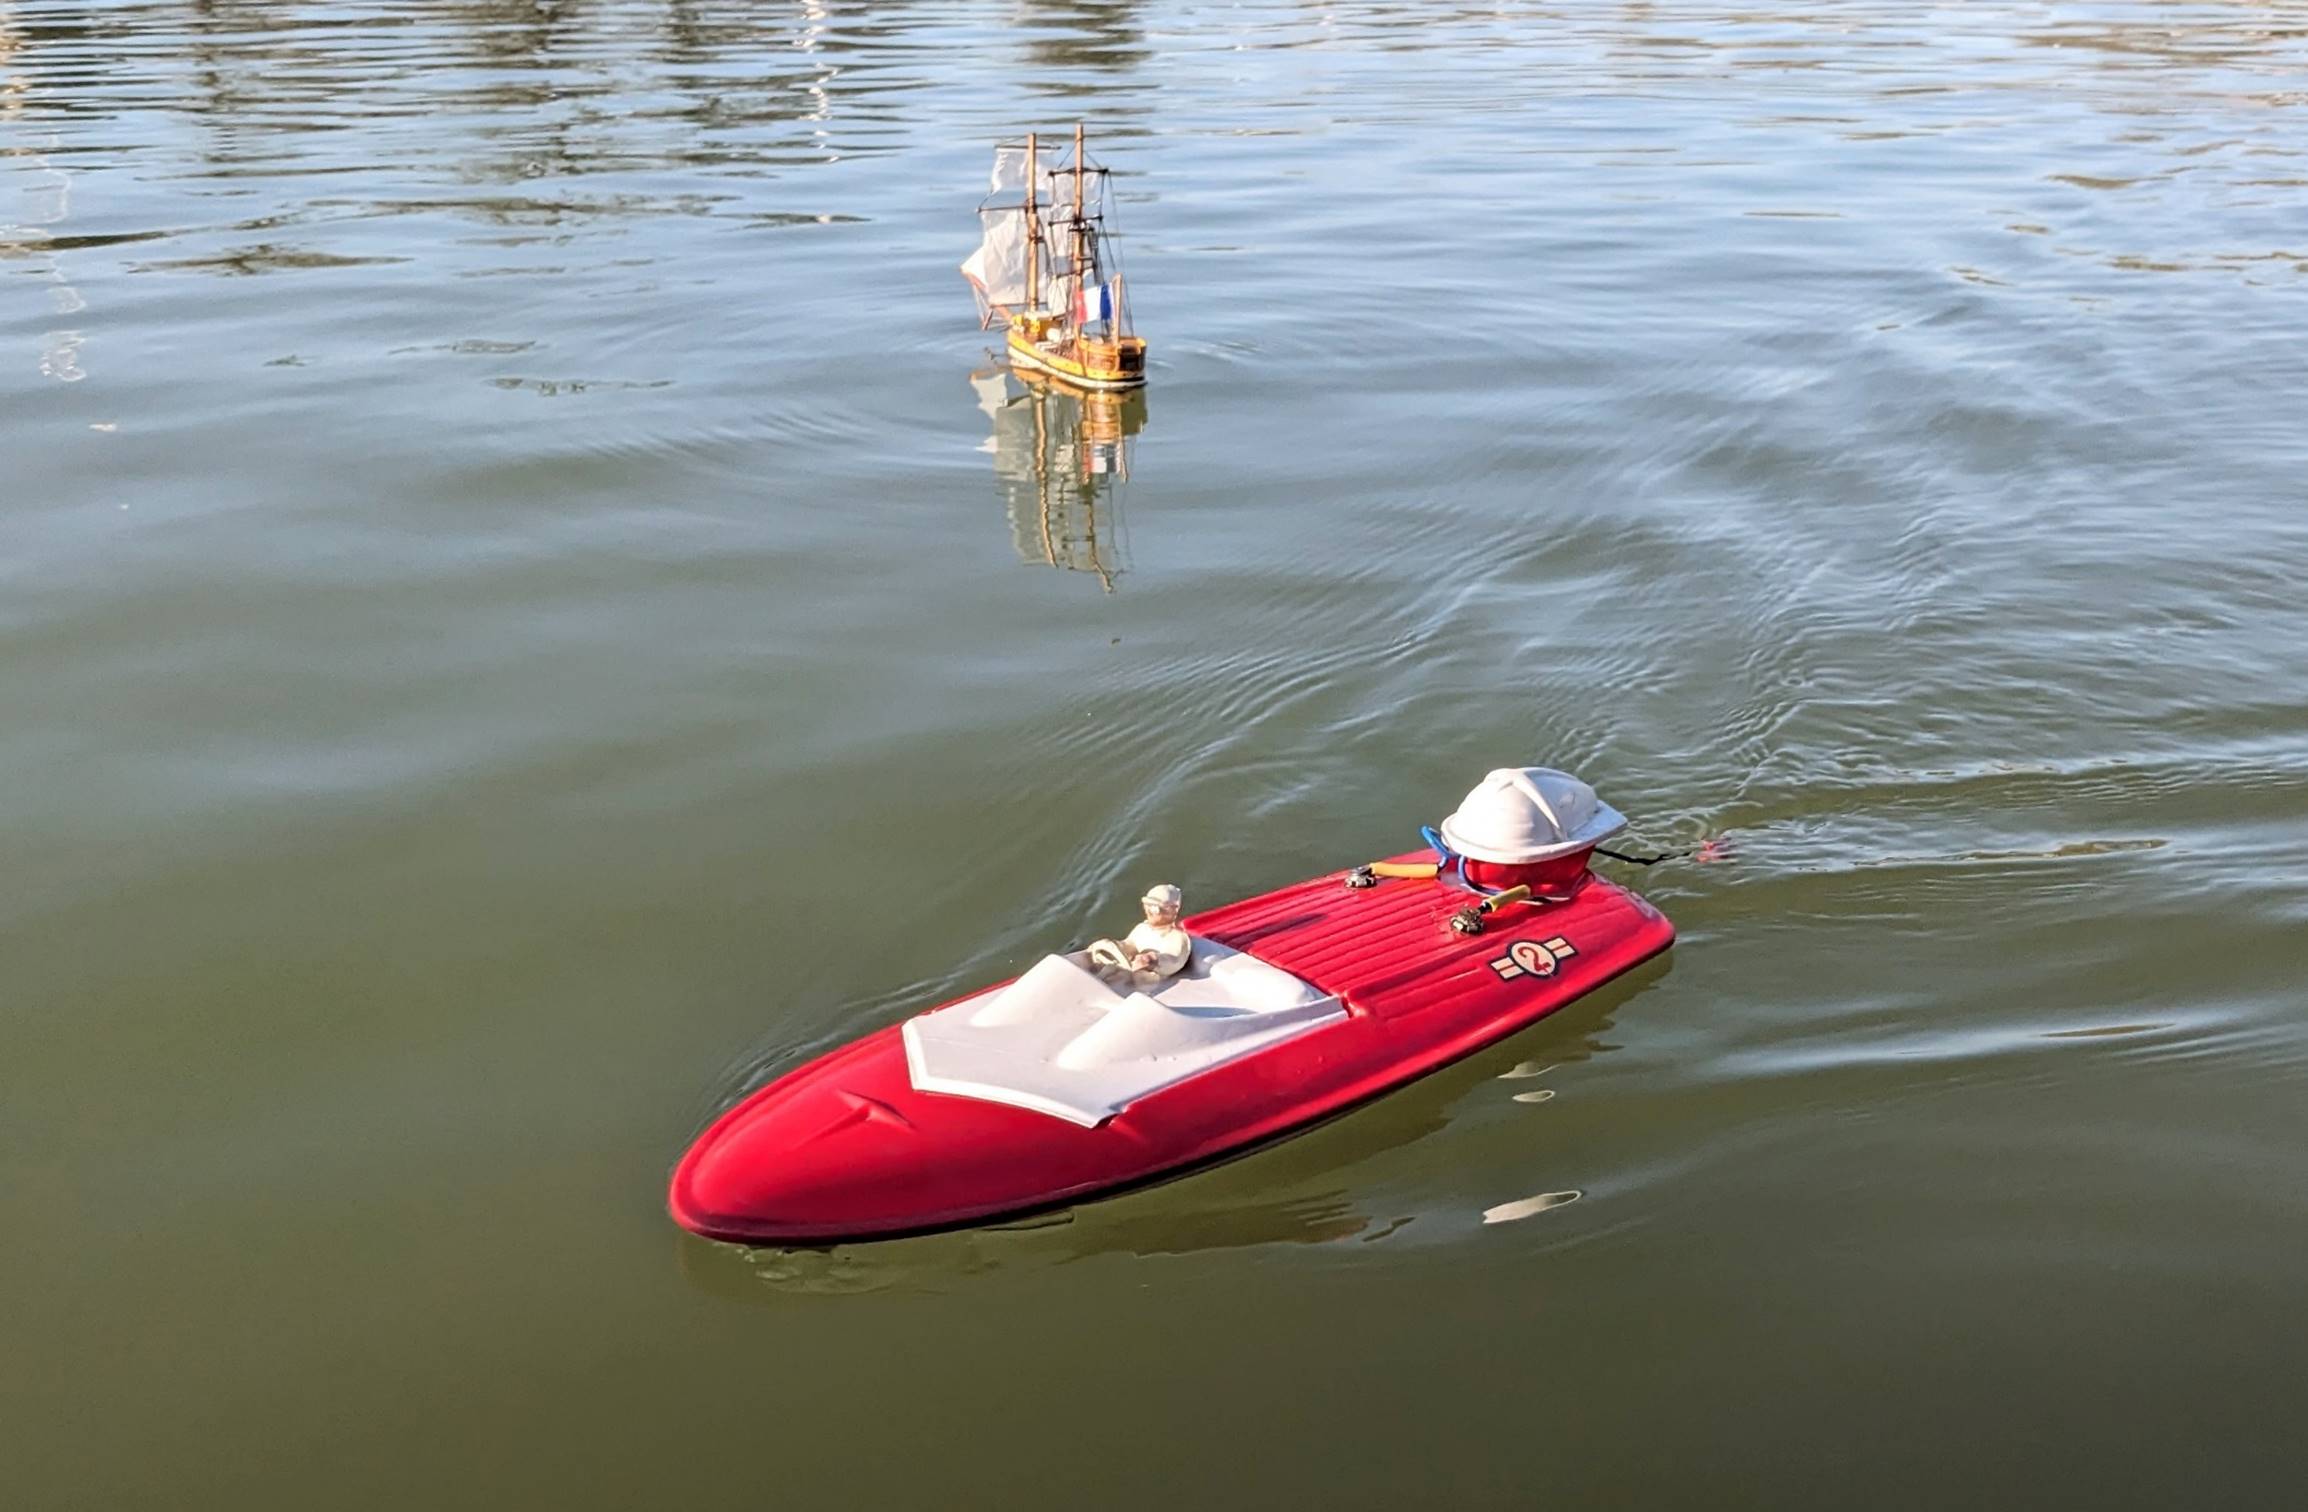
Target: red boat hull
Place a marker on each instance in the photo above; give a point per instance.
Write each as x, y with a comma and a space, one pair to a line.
846, 1148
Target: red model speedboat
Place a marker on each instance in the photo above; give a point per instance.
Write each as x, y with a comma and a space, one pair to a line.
1062, 1085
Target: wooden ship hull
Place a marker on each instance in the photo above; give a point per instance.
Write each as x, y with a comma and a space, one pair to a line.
1082, 362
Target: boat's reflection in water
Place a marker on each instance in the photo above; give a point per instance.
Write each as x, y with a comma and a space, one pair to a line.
1297, 1191
1061, 457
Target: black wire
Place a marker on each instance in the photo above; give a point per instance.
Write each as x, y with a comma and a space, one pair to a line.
1648, 860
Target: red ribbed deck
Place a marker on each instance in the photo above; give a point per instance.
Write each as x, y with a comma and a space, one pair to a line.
1389, 950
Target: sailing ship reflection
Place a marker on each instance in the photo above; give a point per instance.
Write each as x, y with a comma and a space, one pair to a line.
1061, 456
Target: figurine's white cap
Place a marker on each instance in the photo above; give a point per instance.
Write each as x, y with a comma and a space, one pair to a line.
1518, 815
1164, 894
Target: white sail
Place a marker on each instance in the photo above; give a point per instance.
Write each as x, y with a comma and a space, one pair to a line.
997, 270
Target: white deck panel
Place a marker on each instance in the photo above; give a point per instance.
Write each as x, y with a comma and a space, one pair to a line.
1061, 1041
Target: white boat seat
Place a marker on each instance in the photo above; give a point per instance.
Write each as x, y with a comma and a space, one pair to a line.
1061, 1041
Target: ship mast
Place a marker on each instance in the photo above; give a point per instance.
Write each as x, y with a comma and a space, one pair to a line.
1081, 228
1033, 233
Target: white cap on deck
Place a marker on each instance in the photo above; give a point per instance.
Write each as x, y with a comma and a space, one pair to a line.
1523, 814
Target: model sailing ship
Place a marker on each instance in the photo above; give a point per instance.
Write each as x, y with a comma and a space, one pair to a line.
1045, 273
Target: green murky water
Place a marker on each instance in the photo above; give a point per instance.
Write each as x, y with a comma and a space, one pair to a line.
520, 624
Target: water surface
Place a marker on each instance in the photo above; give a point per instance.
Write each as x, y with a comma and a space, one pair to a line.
528, 610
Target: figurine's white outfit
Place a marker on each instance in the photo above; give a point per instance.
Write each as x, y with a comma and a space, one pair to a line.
1170, 946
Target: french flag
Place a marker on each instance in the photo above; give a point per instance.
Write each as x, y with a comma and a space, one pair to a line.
1093, 302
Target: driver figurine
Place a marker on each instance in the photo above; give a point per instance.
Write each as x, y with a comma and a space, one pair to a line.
1155, 950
